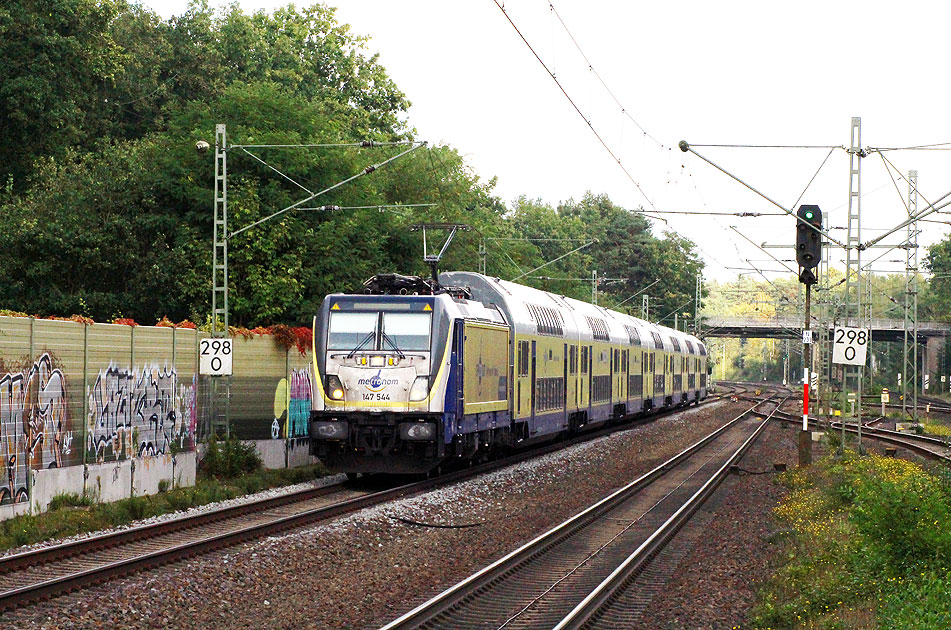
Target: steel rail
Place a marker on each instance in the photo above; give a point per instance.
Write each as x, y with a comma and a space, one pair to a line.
447, 599
39, 590
904, 440
601, 597
112, 539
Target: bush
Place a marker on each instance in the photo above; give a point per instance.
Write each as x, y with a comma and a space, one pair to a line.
869, 547
61, 501
230, 458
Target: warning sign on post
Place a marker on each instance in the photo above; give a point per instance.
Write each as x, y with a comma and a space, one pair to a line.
215, 357
850, 346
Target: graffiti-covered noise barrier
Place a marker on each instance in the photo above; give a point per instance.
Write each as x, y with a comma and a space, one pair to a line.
132, 413
34, 424
292, 408
139, 412
115, 410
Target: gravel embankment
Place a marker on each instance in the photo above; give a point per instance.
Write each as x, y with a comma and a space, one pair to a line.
367, 568
715, 585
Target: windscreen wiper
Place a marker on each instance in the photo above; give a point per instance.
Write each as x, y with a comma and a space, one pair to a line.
363, 342
387, 339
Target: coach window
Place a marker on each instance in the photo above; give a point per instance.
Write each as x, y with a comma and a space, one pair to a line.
523, 358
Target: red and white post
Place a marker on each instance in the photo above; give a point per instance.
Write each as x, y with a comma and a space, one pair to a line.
805, 399
805, 437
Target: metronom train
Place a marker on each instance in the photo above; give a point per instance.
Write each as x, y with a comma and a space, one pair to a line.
412, 374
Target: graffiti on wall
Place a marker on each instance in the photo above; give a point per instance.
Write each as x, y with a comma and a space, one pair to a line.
34, 424
142, 411
292, 409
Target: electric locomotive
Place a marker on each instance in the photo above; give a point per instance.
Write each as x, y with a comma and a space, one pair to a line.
412, 373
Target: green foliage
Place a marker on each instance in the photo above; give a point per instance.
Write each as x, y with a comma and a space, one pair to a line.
868, 547
229, 458
126, 199
59, 64
937, 301
625, 252
71, 499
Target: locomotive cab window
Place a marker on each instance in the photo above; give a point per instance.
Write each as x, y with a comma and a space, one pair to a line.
349, 330
407, 331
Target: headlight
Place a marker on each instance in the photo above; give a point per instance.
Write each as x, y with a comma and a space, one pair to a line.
420, 388
330, 430
418, 431
334, 387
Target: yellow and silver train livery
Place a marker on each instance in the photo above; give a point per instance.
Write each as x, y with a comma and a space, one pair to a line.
406, 380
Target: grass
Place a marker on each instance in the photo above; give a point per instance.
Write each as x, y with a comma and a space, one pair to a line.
867, 546
74, 514
940, 430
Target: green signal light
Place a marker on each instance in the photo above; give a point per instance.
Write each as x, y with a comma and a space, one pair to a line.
809, 215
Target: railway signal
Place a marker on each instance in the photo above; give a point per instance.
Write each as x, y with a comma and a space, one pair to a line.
808, 255
808, 241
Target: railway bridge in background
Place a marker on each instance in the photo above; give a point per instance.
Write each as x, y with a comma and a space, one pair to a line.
930, 334
790, 327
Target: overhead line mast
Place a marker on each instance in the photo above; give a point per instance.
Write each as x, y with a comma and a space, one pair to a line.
910, 341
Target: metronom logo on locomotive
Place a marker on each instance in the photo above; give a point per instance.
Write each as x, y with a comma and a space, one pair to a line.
375, 383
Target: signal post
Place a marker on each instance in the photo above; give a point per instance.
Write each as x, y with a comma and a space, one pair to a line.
808, 255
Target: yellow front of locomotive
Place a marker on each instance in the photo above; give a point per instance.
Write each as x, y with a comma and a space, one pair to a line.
380, 363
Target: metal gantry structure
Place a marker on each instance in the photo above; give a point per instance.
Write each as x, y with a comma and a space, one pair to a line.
853, 308
219, 419
220, 390
698, 297
910, 348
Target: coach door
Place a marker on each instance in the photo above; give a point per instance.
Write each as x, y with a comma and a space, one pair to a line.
590, 377
534, 389
647, 385
564, 389
622, 377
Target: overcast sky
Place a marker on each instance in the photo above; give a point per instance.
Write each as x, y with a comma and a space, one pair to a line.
748, 73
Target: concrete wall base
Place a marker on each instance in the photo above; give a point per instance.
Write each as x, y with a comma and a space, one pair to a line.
281, 454
107, 482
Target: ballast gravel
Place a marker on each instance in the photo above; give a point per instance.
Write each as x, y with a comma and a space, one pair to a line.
363, 570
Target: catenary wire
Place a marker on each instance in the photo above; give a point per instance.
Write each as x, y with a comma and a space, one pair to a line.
574, 105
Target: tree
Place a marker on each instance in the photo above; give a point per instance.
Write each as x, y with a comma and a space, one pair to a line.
59, 61
936, 301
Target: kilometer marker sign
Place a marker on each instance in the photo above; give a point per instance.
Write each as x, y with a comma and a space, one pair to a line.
850, 346
215, 357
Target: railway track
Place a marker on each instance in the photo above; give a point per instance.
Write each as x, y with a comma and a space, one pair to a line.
43, 573
577, 573
927, 446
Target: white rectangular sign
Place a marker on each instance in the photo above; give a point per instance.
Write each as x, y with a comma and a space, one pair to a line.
850, 346
807, 336
215, 357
